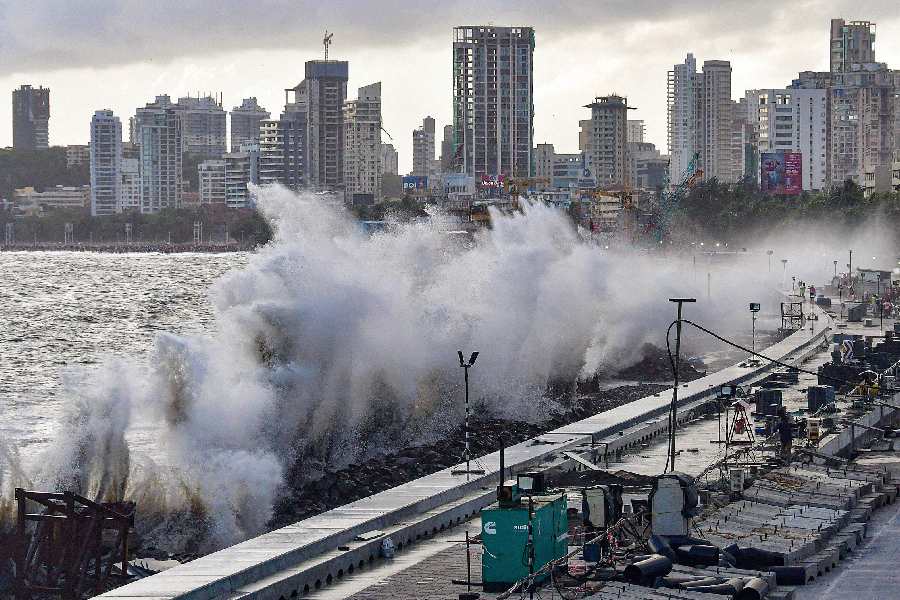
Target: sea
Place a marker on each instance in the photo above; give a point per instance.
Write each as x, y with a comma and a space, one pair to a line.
63, 313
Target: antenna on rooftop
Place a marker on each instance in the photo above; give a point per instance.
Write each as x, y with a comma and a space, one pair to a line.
327, 42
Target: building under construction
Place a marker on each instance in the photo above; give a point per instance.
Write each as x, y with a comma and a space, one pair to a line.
493, 100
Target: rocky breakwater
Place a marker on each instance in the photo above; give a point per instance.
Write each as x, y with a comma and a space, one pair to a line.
304, 497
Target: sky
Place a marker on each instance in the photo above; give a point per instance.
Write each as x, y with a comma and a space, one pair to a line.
97, 54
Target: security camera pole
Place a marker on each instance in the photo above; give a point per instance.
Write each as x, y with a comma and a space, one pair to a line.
466, 366
673, 418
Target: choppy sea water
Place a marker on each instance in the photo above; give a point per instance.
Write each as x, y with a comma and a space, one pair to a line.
63, 313
66, 311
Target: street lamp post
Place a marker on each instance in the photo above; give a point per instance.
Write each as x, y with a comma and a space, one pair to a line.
754, 308
850, 271
673, 417
879, 304
841, 299
466, 366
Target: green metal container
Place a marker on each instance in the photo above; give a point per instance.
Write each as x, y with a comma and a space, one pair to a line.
505, 539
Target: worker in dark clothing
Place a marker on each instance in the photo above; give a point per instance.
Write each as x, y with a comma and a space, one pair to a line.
785, 433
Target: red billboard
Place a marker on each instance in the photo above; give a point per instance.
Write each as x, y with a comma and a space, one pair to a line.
781, 173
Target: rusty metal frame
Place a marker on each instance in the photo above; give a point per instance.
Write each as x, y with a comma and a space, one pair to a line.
62, 554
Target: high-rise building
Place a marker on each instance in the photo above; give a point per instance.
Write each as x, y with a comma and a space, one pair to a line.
241, 169
283, 150
744, 142
863, 126
448, 149
295, 132
146, 112
717, 123
362, 143
161, 148
245, 121
389, 160
493, 99
130, 198
701, 122
606, 136
863, 104
130, 149
423, 147
320, 97
851, 43
271, 151
636, 130
203, 123
684, 85
106, 163
212, 181
203, 126
31, 118
792, 120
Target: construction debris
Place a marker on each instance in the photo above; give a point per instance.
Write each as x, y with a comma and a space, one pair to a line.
73, 547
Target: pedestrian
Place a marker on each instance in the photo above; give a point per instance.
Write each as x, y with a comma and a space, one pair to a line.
785, 434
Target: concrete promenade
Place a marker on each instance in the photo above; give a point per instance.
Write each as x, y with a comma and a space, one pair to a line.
313, 553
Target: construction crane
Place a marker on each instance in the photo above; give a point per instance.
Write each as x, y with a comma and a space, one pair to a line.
327, 42
670, 199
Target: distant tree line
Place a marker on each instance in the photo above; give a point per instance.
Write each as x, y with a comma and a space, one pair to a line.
40, 169
740, 211
405, 209
245, 226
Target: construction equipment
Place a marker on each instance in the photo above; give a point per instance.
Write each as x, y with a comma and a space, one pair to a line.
519, 539
673, 501
601, 505
669, 199
740, 425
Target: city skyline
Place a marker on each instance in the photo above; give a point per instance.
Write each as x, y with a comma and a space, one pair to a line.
640, 43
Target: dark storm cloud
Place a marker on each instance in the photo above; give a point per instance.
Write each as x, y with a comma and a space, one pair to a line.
56, 34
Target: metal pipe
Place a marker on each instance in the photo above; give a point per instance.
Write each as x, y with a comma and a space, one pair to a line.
756, 588
649, 569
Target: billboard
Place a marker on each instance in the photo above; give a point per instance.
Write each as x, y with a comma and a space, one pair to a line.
415, 182
781, 173
492, 181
